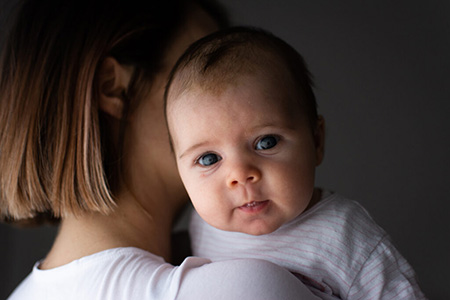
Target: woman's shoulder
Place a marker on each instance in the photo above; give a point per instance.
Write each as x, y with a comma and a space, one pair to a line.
91, 277
199, 278
132, 273
239, 279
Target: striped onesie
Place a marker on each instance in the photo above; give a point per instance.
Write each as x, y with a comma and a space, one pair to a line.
335, 248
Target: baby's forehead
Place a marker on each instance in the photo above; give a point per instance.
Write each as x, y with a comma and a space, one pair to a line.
249, 89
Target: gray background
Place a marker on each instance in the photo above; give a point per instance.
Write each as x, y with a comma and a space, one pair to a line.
382, 70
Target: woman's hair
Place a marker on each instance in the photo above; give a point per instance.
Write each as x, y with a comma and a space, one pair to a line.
56, 157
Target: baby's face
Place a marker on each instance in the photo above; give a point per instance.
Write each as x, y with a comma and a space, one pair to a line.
246, 155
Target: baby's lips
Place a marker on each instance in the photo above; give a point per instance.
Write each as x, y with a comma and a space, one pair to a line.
254, 206
251, 204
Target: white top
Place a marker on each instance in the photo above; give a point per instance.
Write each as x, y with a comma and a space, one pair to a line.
131, 273
335, 247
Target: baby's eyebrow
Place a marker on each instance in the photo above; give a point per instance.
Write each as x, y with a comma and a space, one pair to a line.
265, 125
276, 126
192, 148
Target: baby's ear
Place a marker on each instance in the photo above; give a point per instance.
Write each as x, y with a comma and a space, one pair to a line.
319, 139
113, 81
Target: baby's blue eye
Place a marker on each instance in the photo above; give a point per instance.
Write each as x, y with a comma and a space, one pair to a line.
208, 159
266, 142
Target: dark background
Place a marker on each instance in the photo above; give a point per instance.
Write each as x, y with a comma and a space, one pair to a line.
382, 71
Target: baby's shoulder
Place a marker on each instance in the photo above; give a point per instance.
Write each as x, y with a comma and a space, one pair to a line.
342, 220
337, 207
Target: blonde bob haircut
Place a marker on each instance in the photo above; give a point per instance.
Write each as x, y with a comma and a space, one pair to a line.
56, 156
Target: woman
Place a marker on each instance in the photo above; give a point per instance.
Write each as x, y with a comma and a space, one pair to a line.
83, 139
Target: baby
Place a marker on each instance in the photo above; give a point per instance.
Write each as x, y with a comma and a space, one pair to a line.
247, 138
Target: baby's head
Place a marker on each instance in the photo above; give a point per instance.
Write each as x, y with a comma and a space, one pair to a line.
245, 131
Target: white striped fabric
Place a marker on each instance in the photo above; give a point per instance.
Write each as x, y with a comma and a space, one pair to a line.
335, 248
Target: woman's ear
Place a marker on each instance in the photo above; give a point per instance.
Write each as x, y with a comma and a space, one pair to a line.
113, 81
319, 139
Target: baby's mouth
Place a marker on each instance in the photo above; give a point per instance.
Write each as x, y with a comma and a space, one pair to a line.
254, 206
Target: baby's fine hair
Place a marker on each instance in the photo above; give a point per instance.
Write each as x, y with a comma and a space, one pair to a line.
219, 59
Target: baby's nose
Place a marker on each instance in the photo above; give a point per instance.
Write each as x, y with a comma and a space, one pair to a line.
243, 174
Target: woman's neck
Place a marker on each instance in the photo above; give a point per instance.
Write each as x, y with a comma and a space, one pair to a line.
131, 225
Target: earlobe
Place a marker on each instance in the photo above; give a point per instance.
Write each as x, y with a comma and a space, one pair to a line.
319, 139
113, 81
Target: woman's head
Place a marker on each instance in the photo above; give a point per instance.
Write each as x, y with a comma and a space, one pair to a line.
58, 152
